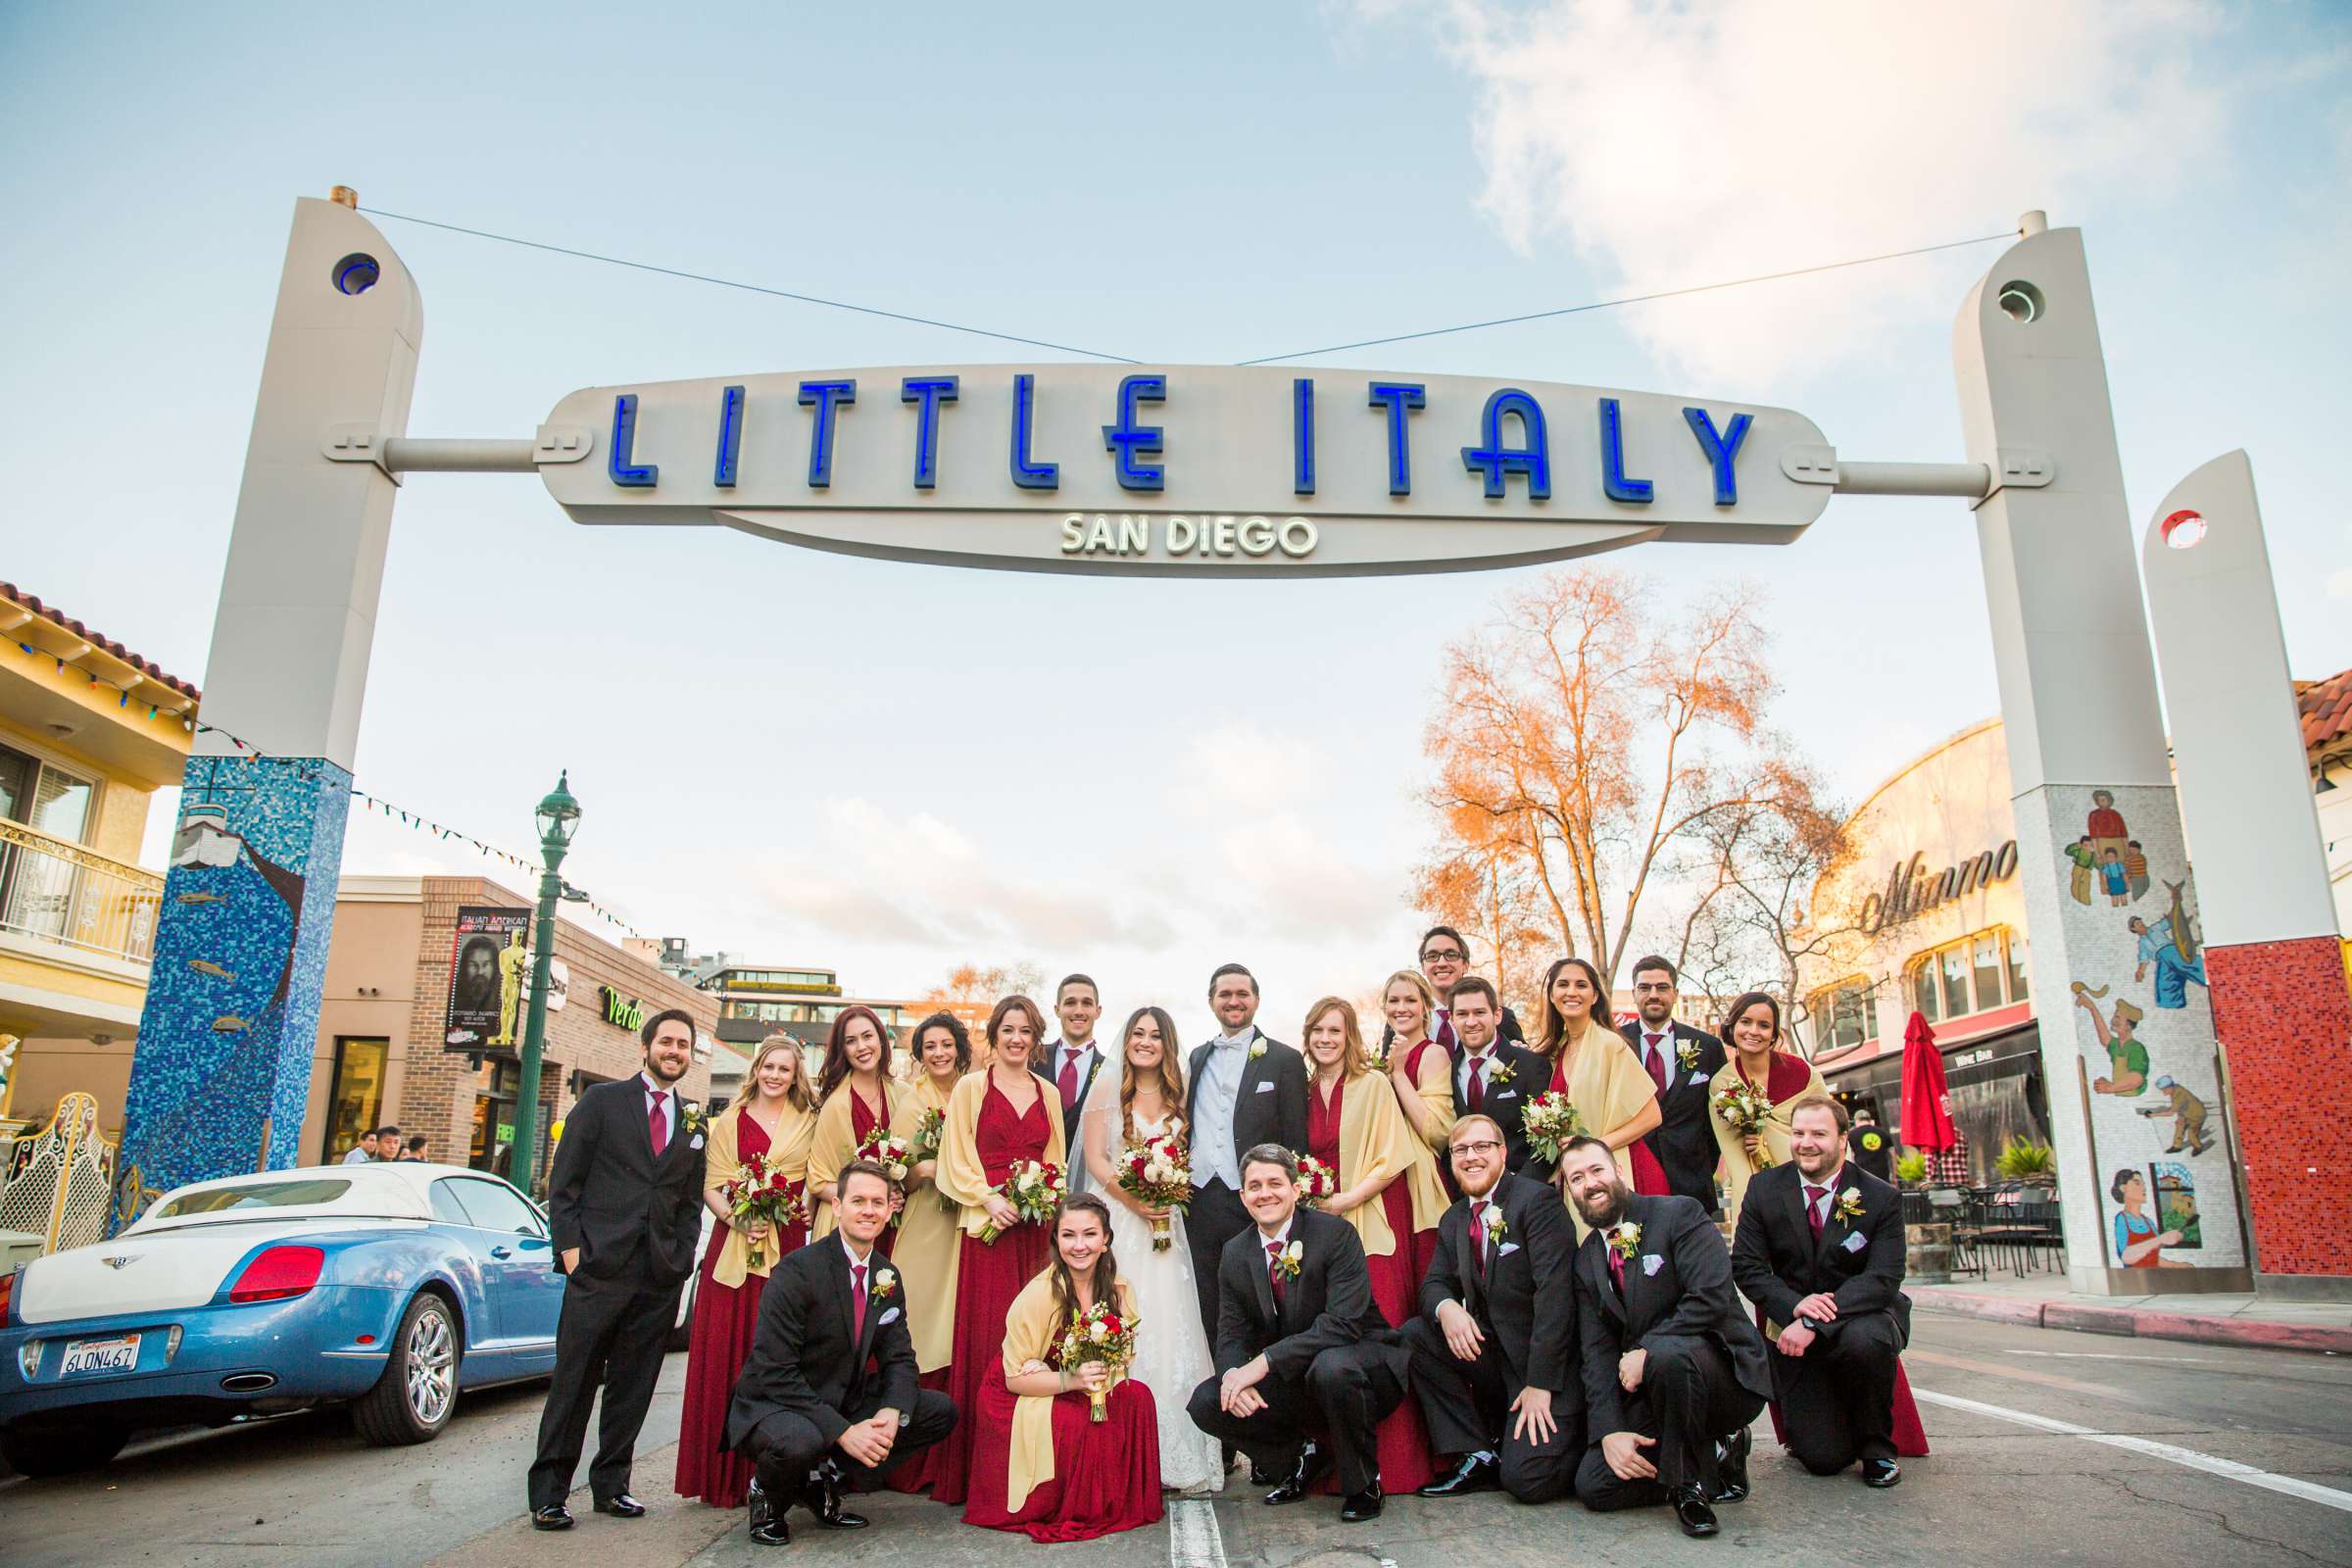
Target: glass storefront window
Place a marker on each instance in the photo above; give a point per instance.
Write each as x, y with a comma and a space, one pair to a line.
1984, 960
2017, 966
1955, 982
1923, 991
355, 1096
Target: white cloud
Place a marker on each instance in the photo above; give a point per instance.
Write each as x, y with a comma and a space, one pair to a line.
1670, 145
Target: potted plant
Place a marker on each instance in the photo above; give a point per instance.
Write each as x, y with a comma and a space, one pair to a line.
2027, 1162
1911, 1168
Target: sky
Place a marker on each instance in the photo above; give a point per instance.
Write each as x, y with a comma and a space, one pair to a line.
888, 768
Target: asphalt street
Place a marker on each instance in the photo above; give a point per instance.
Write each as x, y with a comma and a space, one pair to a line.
2063, 1448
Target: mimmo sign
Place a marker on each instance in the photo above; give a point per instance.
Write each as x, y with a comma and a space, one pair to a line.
1190, 469
1912, 889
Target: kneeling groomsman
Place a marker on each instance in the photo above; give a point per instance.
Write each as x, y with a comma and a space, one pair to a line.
1674, 1371
1820, 1250
1494, 1350
1307, 1367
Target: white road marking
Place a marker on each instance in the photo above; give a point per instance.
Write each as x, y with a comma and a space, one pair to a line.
2102, 1355
1194, 1540
2231, 1469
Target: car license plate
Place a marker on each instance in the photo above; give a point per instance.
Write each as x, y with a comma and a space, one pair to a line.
120, 1354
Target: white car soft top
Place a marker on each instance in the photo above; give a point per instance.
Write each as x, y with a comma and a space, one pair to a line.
383, 1190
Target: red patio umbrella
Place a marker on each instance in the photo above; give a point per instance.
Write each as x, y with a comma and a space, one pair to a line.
1927, 1125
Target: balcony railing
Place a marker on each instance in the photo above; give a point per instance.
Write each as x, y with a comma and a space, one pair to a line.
64, 893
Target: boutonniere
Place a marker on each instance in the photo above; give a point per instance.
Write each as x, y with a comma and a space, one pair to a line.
1687, 1052
690, 1117
1849, 1205
1287, 1261
1625, 1237
1502, 1073
885, 1281
1257, 1048
1497, 1226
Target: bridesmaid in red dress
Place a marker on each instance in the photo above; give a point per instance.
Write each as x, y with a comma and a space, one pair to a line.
1387, 1189
999, 1115
1042, 1465
775, 1117
1421, 1069
854, 1091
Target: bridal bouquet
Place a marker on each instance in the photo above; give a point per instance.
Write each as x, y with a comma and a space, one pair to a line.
889, 1151
1097, 1334
1316, 1181
1034, 1188
761, 1191
1744, 1109
1157, 1173
1549, 1123
927, 1135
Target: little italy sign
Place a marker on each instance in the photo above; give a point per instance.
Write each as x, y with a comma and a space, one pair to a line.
1183, 471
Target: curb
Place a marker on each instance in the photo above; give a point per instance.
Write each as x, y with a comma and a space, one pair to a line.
2132, 1322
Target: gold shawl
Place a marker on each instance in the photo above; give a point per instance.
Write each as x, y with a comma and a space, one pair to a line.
928, 1249
1377, 1143
1608, 1085
1775, 1131
1030, 1329
721, 1157
835, 1144
1437, 1096
960, 1176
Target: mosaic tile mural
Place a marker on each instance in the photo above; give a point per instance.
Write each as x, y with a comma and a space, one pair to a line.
222, 1070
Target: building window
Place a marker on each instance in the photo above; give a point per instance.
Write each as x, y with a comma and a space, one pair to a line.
2017, 966
1845, 1014
493, 1137
1975, 974
44, 797
355, 1096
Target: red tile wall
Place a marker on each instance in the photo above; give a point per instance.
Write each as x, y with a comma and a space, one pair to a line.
2284, 1019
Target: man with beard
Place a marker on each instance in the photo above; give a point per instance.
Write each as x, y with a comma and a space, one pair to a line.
1673, 1369
1820, 1250
1680, 1060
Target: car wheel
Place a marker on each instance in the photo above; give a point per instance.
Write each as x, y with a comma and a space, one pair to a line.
682, 1332
61, 1451
412, 1401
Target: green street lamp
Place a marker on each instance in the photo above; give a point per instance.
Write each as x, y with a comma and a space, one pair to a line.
558, 817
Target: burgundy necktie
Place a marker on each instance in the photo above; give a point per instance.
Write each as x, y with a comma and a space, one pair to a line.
1069, 1080
657, 1125
1813, 1214
1274, 1271
856, 1303
1655, 1060
1477, 1097
1478, 1240
1446, 1031
1617, 1269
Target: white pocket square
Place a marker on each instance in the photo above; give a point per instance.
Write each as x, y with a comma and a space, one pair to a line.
697, 1142
887, 1318
1507, 1249
1506, 1093
1265, 1088
1852, 1243
1698, 1075
1651, 1262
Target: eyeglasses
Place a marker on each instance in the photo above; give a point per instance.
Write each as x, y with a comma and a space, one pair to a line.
1444, 955
1487, 1147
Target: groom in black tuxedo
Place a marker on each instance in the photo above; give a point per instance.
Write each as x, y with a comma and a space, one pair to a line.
624, 1200
1071, 1062
1241, 1089
1680, 1060
828, 1397
1307, 1367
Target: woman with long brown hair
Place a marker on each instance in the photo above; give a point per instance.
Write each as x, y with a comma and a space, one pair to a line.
929, 1245
1043, 1465
1388, 1189
1001, 1115
1592, 1065
1751, 1033
1141, 1100
854, 1096
774, 1118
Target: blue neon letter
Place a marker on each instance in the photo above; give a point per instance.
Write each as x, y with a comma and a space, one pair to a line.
1494, 459
730, 437
1720, 450
1303, 436
1400, 398
619, 451
1613, 481
826, 397
1026, 472
927, 392
1127, 438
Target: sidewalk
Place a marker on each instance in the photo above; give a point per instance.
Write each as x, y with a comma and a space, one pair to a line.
2042, 1301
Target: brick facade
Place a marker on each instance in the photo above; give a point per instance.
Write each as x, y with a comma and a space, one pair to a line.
2289, 1118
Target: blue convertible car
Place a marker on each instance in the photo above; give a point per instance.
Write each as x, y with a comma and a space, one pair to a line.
388, 1285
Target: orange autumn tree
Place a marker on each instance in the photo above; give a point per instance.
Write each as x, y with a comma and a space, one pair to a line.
971, 990
1586, 738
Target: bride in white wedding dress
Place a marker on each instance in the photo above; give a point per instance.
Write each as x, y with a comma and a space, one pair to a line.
1144, 1099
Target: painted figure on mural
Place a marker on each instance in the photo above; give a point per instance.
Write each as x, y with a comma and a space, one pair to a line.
2112, 879
2188, 1117
2139, 1237
2083, 858
2161, 948
2135, 869
511, 961
2113, 852
2127, 1058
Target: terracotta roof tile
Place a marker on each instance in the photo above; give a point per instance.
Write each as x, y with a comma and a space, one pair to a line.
2326, 707
153, 671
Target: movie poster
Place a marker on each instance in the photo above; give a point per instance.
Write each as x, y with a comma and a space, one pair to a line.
488, 969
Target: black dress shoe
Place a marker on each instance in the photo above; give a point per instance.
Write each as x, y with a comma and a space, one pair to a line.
1262, 1478
620, 1506
1313, 1465
822, 1496
555, 1516
773, 1531
1478, 1472
1691, 1512
1362, 1505
1882, 1473
1731, 1466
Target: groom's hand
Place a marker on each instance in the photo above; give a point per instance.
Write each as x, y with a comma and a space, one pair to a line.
571, 1261
1238, 1393
868, 1442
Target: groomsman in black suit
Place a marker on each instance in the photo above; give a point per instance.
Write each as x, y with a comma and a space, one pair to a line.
1494, 1350
1491, 1078
1241, 1089
1071, 1062
1679, 1059
827, 1396
1674, 1371
1820, 1250
624, 1200
1445, 960
1307, 1367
